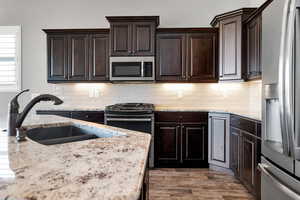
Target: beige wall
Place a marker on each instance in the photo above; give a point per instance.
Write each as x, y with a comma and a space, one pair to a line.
35, 15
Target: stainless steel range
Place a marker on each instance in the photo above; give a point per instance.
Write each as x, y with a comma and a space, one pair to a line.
133, 116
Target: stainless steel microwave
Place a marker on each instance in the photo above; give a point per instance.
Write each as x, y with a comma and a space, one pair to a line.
132, 69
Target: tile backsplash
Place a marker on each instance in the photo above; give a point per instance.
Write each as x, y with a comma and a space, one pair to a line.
244, 96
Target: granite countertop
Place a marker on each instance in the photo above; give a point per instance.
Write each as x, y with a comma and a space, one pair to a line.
245, 112
102, 168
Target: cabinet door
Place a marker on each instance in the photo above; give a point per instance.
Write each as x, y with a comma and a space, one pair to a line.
194, 146
57, 57
248, 160
121, 39
143, 38
98, 55
235, 151
78, 57
170, 57
253, 48
167, 145
230, 49
218, 141
202, 57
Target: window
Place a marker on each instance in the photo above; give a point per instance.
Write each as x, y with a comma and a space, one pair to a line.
10, 58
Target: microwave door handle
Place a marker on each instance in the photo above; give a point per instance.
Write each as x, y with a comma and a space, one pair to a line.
142, 69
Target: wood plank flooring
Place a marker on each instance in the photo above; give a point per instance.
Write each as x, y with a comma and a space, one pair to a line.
195, 184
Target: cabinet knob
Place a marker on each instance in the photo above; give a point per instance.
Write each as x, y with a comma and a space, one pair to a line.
87, 116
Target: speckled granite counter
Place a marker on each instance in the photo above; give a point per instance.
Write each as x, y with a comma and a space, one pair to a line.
245, 113
103, 168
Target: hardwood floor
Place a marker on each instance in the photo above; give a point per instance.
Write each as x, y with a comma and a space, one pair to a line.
195, 184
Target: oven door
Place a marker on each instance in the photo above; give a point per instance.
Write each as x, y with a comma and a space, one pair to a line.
131, 68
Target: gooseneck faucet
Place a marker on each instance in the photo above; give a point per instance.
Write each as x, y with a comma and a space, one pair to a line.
15, 119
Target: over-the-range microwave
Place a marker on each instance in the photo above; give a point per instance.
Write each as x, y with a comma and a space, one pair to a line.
132, 69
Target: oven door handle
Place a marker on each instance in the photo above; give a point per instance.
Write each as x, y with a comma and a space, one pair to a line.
129, 119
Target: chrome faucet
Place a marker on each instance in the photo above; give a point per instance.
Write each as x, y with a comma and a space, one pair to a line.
15, 119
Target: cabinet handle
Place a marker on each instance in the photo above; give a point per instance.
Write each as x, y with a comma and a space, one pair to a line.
181, 146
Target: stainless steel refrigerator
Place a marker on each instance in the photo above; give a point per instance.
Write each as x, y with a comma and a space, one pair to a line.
280, 161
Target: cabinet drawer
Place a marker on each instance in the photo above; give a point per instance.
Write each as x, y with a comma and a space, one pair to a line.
182, 117
244, 124
194, 117
162, 116
90, 116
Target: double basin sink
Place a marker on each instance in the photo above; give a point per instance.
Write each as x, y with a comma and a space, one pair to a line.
67, 133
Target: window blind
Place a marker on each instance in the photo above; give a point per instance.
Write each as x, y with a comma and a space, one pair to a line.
10, 42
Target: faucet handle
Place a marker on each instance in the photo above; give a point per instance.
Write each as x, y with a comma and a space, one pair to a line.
14, 102
16, 97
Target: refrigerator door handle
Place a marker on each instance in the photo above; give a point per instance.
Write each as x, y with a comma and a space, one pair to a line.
289, 86
285, 77
289, 192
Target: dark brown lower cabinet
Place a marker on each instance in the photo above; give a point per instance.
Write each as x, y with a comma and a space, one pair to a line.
248, 163
194, 150
235, 151
181, 145
245, 149
167, 144
181, 139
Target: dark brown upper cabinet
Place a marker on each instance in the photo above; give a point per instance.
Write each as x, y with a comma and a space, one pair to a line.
98, 60
132, 35
232, 43
253, 28
170, 57
186, 55
202, 54
77, 55
57, 45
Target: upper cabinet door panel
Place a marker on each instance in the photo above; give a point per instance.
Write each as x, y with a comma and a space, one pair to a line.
171, 49
78, 57
202, 57
253, 48
98, 64
143, 38
230, 49
121, 39
57, 58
